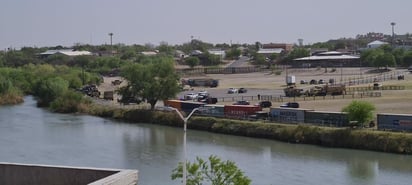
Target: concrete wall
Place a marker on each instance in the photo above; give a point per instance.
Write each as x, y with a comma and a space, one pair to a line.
25, 174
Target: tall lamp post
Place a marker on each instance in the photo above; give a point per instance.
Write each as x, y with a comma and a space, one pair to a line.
111, 43
185, 119
393, 33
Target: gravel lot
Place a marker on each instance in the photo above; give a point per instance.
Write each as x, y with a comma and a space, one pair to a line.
394, 101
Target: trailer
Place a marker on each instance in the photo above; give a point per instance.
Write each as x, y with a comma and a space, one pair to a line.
201, 82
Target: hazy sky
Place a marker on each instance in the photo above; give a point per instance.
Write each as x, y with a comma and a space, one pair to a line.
65, 22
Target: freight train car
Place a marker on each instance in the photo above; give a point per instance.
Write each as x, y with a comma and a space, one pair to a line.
177, 104
288, 115
335, 119
188, 106
213, 110
395, 122
185, 106
240, 111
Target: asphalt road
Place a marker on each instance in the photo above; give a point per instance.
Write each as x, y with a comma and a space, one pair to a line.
239, 63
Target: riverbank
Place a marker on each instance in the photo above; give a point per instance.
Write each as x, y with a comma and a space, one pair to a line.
363, 139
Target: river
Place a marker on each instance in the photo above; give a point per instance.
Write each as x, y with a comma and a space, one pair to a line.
32, 135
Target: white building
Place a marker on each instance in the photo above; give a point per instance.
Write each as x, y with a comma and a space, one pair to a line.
376, 44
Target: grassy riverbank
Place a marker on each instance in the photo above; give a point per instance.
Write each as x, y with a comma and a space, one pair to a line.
392, 142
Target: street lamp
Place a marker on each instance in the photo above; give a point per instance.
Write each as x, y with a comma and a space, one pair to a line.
185, 119
393, 33
111, 43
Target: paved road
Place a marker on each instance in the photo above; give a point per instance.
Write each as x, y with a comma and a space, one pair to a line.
240, 62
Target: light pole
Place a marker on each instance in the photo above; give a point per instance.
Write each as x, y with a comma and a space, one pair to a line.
111, 43
393, 33
185, 119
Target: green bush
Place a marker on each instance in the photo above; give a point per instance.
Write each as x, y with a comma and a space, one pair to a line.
70, 102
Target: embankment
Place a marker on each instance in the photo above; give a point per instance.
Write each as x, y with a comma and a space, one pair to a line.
392, 142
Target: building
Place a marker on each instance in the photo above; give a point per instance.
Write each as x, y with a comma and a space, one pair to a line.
286, 47
217, 52
328, 59
375, 44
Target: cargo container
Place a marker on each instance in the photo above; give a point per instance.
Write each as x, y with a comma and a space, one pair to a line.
288, 115
173, 103
396, 122
188, 106
240, 111
213, 110
290, 80
335, 119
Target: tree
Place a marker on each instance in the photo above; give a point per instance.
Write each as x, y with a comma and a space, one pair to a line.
360, 111
407, 59
215, 171
399, 53
233, 54
153, 79
384, 60
49, 89
297, 53
192, 61
369, 56
259, 59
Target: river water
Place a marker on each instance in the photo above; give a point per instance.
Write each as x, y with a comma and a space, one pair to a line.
36, 136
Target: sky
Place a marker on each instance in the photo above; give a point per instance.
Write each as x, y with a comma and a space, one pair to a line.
39, 23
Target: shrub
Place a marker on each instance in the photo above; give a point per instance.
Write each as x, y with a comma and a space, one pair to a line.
70, 102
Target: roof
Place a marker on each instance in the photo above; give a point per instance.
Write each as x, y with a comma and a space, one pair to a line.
148, 53
216, 52
377, 42
270, 51
330, 53
68, 52
334, 57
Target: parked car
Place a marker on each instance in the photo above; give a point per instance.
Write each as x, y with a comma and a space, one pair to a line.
290, 105
242, 90
321, 81
241, 102
377, 86
265, 104
313, 81
201, 95
303, 82
190, 96
232, 91
209, 100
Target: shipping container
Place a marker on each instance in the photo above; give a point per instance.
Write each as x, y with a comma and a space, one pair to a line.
240, 111
334, 119
397, 122
288, 115
188, 106
174, 103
